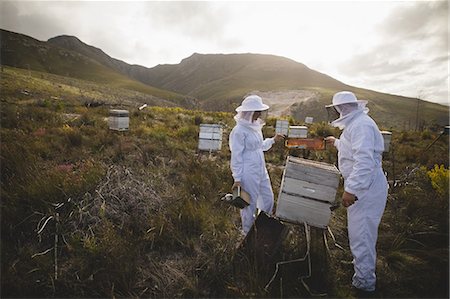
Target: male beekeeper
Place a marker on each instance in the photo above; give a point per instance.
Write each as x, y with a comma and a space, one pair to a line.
247, 163
360, 149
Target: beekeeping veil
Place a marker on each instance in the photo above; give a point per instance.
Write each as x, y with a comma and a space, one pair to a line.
344, 107
246, 110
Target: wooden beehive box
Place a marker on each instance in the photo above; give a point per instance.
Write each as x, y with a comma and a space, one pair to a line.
308, 190
282, 127
119, 120
298, 132
387, 139
210, 137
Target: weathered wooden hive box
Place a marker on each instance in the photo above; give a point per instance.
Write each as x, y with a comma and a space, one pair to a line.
387, 139
298, 132
119, 120
308, 190
210, 137
282, 127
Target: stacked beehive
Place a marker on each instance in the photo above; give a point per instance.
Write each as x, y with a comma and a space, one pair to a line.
308, 190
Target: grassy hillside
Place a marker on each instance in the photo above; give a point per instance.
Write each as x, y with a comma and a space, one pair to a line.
24, 52
46, 89
221, 81
218, 81
89, 212
218, 76
389, 111
135, 72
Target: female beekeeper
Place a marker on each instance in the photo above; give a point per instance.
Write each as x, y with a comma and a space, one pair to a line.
247, 158
360, 149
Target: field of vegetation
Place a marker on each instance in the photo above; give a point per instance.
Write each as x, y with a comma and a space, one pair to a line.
91, 212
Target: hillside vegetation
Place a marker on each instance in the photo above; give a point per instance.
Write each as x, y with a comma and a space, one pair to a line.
24, 52
217, 82
89, 212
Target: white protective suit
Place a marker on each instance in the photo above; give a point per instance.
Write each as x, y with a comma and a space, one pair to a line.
248, 165
360, 149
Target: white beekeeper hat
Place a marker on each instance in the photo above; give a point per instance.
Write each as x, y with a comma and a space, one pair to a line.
344, 97
252, 103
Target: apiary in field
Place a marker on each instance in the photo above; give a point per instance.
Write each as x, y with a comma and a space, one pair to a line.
119, 120
210, 137
307, 192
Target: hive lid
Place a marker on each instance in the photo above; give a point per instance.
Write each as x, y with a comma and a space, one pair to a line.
314, 164
118, 112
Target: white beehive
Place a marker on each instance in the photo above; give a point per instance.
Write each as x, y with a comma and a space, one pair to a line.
298, 131
387, 139
282, 127
210, 137
119, 120
309, 119
308, 190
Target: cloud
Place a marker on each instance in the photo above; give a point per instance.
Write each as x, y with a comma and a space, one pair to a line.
39, 24
200, 20
410, 41
421, 20
412, 52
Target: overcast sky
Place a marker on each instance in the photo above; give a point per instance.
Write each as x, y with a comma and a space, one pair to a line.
398, 47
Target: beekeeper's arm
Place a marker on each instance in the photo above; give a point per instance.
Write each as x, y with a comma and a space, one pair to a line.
237, 146
268, 142
363, 145
333, 140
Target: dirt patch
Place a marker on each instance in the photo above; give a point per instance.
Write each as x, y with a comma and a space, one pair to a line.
280, 102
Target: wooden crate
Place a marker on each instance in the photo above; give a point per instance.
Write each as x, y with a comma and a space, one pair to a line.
308, 190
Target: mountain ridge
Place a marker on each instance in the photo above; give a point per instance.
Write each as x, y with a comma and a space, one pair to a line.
18, 50
218, 82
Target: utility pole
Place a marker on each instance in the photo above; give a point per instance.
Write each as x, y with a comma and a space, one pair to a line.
417, 114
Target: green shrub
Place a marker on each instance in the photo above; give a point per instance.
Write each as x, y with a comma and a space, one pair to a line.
323, 129
9, 116
73, 135
187, 132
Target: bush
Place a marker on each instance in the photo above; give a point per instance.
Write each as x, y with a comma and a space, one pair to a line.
439, 176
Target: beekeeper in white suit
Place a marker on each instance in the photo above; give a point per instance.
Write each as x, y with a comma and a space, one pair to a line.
248, 166
360, 149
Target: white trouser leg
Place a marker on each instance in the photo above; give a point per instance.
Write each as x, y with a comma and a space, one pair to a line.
363, 220
265, 199
261, 197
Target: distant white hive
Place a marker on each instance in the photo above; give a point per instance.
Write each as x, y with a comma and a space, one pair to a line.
210, 137
387, 139
119, 120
